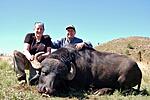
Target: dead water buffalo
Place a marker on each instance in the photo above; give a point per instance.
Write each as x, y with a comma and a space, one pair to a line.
87, 68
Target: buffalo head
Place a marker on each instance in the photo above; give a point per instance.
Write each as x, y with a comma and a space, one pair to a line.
54, 73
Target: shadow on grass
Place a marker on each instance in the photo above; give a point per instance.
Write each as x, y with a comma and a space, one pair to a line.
80, 94
72, 93
135, 92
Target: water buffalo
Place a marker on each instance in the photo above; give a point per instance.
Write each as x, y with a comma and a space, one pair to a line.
87, 68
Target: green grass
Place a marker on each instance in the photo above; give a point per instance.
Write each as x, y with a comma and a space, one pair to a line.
10, 90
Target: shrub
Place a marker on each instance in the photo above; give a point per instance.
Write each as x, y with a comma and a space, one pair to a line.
130, 46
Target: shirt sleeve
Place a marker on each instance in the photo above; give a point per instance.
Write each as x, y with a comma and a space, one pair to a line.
48, 41
77, 40
28, 38
57, 44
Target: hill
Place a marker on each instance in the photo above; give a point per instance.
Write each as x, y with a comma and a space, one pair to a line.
137, 48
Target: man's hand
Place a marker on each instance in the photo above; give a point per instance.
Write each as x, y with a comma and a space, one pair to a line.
32, 58
80, 45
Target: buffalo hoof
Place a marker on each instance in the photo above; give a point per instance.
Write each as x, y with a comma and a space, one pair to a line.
103, 91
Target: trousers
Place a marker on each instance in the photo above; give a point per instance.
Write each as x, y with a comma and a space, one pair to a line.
21, 63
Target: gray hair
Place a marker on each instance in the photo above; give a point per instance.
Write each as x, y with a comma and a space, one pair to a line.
40, 24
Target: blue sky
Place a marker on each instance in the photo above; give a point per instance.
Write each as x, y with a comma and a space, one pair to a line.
97, 21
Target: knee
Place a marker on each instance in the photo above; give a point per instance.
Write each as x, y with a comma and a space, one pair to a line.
15, 53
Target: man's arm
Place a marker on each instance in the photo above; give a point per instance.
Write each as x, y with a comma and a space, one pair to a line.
83, 44
27, 53
57, 44
80, 44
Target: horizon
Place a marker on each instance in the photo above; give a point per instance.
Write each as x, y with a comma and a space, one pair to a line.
97, 21
98, 44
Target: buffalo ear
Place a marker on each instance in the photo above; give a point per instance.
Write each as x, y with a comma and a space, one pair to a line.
72, 72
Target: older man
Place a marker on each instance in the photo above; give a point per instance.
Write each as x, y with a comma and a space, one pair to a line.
70, 39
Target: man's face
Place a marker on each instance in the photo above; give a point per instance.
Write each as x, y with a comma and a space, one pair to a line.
39, 29
70, 33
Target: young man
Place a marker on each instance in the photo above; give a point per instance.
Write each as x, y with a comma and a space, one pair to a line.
34, 43
70, 39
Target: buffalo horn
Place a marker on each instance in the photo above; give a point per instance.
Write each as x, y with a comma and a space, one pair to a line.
35, 63
72, 72
38, 54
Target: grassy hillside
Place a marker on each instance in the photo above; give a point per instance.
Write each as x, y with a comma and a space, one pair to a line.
137, 48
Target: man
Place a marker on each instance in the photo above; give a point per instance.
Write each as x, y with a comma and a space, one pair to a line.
34, 43
70, 39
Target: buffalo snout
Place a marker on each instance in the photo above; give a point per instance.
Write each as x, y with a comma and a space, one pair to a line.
46, 84
46, 90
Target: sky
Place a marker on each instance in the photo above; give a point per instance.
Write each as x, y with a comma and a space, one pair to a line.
97, 21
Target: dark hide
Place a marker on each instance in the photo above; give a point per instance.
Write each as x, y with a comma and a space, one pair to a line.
94, 69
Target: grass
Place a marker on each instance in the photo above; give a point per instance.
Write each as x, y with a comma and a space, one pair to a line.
10, 90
